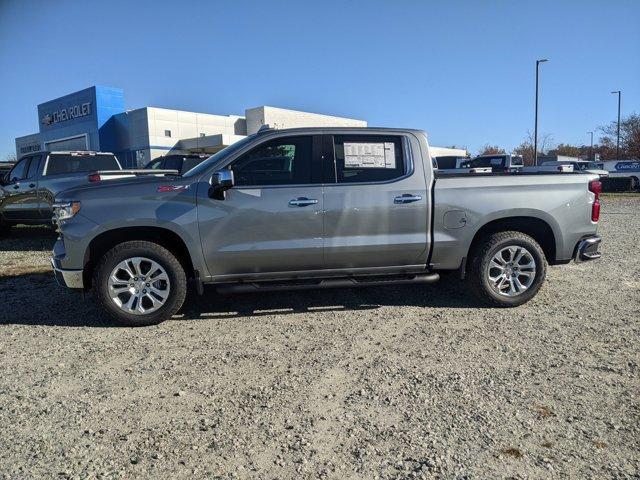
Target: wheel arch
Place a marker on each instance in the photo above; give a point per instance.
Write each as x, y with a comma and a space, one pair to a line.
537, 228
165, 237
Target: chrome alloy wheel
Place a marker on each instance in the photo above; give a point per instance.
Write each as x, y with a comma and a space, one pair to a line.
139, 285
511, 270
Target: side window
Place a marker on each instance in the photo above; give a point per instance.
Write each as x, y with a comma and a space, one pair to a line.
172, 164
283, 161
368, 158
18, 172
154, 164
34, 166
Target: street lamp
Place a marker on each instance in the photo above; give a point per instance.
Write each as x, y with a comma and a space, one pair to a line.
591, 149
618, 141
535, 134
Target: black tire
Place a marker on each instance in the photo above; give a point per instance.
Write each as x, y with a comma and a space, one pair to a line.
478, 272
152, 251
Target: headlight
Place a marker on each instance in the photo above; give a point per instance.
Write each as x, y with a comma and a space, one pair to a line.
66, 210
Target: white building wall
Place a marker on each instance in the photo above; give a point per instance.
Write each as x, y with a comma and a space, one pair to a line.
283, 118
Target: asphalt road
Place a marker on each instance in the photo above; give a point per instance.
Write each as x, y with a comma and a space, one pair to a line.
398, 382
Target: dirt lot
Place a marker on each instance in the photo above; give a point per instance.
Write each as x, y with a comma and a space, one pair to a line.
406, 382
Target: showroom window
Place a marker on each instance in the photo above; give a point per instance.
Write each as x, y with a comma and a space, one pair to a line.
285, 161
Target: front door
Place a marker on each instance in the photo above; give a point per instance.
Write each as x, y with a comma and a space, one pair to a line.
271, 221
20, 199
376, 203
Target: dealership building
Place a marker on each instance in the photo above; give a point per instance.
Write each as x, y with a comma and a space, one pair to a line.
95, 119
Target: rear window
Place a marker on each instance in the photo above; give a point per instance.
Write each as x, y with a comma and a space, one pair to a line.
67, 163
483, 162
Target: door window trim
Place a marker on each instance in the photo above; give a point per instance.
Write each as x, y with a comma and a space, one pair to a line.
316, 162
406, 153
27, 160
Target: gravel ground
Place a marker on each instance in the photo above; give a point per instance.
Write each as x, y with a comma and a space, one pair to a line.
403, 382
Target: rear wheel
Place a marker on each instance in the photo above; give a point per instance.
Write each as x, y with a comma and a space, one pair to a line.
507, 269
140, 283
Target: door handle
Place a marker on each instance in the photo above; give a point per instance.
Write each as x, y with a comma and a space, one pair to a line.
302, 202
16, 186
407, 198
31, 185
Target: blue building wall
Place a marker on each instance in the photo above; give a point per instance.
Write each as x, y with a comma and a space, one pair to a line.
87, 111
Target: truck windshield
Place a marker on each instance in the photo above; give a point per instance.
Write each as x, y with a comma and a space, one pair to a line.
67, 163
216, 157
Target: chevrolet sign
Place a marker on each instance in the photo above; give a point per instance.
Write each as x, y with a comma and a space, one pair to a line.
64, 114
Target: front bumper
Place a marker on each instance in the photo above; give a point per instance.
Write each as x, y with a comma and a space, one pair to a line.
587, 249
67, 278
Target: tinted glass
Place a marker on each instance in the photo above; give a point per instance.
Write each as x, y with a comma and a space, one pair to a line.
219, 156
33, 166
189, 163
154, 164
367, 158
284, 161
484, 162
18, 170
172, 163
65, 163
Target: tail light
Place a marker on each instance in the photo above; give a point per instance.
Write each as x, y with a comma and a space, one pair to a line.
94, 177
595, 187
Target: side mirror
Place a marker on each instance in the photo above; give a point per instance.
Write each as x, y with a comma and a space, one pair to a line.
220, 181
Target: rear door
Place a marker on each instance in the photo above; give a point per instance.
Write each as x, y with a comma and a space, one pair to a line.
375, 202
270, 222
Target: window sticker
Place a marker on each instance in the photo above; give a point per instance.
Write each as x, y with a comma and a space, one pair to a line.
369, 155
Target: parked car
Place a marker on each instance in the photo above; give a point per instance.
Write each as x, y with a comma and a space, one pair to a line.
500, 162
181, 163
579, 166
317, 208
623, 169
28, 189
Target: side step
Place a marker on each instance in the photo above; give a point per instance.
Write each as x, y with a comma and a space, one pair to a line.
272, 286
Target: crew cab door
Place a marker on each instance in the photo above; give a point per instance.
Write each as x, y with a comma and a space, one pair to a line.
20, 199
271, 220
376, 202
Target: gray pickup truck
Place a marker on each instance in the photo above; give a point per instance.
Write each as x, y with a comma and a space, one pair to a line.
27, 191
317, 208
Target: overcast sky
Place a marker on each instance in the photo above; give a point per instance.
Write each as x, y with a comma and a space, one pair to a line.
461, 70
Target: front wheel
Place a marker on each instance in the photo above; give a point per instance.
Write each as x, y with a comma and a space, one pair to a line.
140, 283
507, 269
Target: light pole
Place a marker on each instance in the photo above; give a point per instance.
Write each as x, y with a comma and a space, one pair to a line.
535, 130
591, 148
618, 141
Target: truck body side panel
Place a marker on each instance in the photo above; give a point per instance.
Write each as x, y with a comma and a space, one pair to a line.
463, 205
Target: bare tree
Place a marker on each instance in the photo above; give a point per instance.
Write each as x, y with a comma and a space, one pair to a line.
491, 150
545, 141
10, 157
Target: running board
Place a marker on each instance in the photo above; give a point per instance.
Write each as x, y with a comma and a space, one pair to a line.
272, 286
